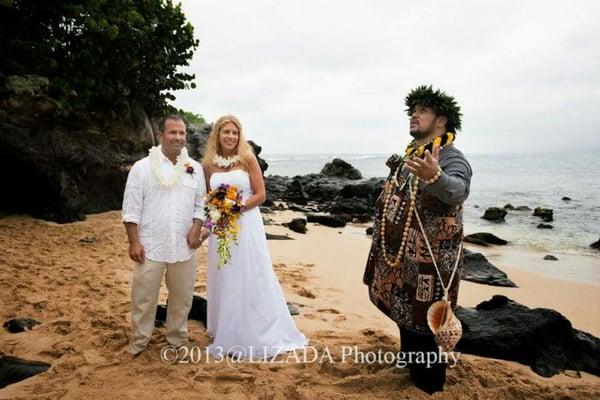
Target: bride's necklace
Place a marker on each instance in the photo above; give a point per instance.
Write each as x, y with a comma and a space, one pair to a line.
226, 162
155, 156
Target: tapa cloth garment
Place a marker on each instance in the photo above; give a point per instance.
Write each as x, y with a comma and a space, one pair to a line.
405, 293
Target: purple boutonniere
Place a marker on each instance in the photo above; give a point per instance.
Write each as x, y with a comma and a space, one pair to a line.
189, 169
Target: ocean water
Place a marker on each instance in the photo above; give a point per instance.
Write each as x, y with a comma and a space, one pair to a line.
534, 180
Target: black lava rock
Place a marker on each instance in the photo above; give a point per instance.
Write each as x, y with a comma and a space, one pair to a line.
197, 312
341, 169
539, 337
297, 225
14, 369
257, 149
484, 239
295, 192
545, 226
494, 214
326, 220
17, 325
545, 213
477, 268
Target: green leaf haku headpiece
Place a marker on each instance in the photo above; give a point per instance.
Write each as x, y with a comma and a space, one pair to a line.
438, 101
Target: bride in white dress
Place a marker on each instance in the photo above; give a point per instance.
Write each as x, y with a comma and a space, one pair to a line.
247, 314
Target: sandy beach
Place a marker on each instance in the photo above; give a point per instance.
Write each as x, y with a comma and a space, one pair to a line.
79, 291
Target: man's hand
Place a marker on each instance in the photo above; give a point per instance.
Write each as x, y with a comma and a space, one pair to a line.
196, 236
137, 252
425, 168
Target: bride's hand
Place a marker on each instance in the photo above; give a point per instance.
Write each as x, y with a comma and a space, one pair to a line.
204, 235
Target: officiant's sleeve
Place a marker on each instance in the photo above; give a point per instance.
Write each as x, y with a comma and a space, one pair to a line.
452, 187
133, 198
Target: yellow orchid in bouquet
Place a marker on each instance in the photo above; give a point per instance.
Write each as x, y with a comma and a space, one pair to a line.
223, 207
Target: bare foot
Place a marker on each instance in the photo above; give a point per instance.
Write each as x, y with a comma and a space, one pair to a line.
126, 356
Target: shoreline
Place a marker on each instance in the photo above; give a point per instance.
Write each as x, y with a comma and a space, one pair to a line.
535, 287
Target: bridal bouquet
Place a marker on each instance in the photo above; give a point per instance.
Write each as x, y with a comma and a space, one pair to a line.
222, 208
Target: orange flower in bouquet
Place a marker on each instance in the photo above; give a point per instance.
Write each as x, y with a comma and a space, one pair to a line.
223, 208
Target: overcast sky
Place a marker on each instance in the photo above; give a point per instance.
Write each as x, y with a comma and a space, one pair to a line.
331, 76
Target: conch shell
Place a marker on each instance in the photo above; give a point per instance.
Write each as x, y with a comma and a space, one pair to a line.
446, 327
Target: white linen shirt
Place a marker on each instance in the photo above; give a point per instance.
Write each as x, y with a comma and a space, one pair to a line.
164, 215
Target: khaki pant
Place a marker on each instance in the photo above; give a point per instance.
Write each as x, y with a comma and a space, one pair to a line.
180, 279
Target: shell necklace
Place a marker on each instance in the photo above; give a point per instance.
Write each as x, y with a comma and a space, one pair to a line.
442, 141
226, 162
155, 156
394, 262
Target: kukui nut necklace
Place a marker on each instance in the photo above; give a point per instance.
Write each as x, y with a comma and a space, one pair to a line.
394, 262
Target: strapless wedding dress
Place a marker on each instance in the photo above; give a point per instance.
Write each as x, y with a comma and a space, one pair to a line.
247, 313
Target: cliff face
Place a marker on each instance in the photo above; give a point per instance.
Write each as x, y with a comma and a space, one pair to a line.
60, 165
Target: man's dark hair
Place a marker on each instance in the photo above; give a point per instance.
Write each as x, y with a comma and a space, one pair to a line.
441, 104
163, 120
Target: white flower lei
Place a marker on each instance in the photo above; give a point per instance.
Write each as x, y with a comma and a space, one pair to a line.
182, 159
226, 162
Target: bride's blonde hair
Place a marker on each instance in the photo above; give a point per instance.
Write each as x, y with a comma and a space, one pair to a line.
213, 145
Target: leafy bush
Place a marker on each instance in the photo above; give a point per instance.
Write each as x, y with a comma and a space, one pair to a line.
99, 55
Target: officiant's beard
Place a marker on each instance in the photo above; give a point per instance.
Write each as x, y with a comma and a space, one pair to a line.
419, 134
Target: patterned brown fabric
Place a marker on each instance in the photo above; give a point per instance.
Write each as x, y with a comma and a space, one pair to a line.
405, 293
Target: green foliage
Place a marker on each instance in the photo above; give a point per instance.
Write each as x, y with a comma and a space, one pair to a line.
440, 102
21, 84
99, 54
192, 118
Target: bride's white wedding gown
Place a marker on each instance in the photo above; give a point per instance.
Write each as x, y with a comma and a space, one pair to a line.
247, 312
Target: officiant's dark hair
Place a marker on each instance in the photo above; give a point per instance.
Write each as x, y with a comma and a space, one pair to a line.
163, 120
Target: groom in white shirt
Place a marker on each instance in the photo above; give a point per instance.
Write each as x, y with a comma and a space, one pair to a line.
162, 213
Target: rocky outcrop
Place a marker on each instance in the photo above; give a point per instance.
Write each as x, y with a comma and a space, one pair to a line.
494, 214
64, 165
484, 239
197, 137
257, 149
341, 169
546, 214
477, 268
346, 199
541, 338
14, 369
326, 220
198, 312
297, 225
17, 325
295, 193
